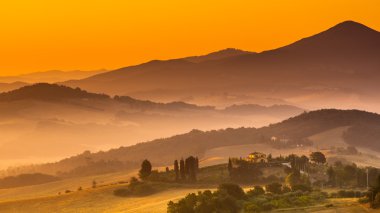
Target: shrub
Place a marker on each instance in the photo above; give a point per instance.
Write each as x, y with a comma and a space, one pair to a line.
275, 188
231, 189
257, 190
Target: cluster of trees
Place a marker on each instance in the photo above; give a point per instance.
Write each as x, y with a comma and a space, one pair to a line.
241, 170
296, 180
300, 162
340, 175
232, 198
186, 169
244, 171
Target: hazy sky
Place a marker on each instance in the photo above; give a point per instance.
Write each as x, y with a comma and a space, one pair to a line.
39, 35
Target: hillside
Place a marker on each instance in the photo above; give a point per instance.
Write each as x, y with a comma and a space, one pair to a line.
5, 87
26, 180
48, 122
334, 68
295, 131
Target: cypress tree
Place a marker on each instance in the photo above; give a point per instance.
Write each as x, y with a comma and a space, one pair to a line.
182, 169
146, 169
176, 170
229, 166
191, 166
197, 163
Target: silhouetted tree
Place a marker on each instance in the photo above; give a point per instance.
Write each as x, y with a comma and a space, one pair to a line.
269, 158
331, 176
182, 169
229, 166
197, 163
275, 188
191, 168
176, 170
146, 169
318, 157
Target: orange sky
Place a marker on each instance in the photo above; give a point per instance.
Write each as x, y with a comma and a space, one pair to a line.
40, 35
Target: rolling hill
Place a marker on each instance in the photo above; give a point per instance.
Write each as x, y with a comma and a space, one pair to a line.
47, 122
339, 65
5, 87
295, 132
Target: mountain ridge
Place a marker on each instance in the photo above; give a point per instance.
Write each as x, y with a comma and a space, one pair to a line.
334, 61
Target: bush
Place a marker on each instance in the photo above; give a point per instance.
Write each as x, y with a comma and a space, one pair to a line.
275, 188
231, 189
257, 190
230, 198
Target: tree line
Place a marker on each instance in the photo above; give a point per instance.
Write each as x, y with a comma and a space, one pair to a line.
186, 170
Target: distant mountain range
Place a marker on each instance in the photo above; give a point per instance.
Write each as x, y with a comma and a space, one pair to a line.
335, 68
5, 87
361, 130
50, 76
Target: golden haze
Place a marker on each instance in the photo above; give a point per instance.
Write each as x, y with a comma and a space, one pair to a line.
69, 34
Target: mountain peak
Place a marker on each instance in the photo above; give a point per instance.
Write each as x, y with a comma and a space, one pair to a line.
348, 37
351, 27
221, 54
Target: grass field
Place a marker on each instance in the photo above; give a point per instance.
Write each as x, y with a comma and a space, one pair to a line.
102, 200
95, 200
53, 188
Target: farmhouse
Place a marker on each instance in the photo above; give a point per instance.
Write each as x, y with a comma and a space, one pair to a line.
257, 157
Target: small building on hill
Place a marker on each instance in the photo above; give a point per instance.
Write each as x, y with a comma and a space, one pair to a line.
257, 157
